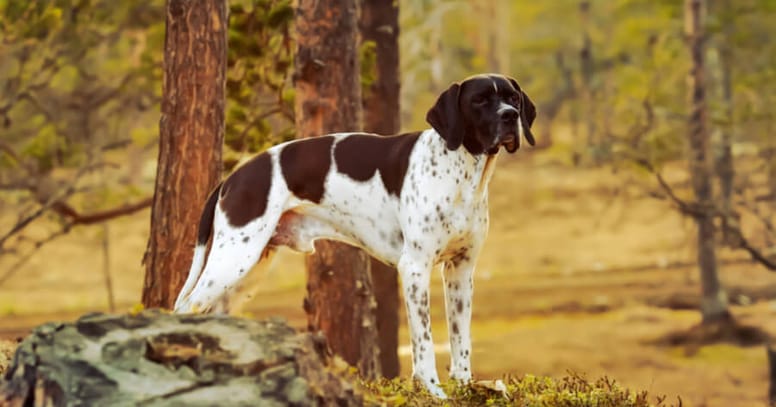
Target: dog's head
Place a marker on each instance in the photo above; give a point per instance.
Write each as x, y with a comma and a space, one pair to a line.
483, 113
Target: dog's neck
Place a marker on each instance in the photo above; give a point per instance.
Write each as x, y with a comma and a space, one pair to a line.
480, 166
487, 173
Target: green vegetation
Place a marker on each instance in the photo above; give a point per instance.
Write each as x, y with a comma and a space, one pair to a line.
528, 391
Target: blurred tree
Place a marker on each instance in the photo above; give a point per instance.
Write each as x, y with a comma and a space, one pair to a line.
328, 98
191, 136
260, 107
426, 68
723, 148
380, 34
771, 351
714, 300
80, 104
79, 83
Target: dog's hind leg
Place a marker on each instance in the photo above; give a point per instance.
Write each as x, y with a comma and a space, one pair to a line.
234, 251
234, 301
200, 251
197, 263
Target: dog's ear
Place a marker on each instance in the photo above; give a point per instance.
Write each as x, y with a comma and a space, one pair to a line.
445, 117
527, 114
527, 117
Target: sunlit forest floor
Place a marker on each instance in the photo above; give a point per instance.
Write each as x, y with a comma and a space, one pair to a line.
582, 272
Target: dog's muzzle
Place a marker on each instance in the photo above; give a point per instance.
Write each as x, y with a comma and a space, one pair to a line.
508, 129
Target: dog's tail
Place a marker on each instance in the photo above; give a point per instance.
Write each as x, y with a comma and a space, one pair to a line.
200, 251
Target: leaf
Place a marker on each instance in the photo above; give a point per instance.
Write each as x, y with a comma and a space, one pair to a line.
280, 14
496, 386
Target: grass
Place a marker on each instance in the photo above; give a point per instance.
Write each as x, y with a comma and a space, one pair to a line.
573, 390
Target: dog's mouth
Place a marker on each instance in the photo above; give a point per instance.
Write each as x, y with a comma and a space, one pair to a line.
510, 142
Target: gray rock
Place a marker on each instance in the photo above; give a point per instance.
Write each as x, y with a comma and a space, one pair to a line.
159, 359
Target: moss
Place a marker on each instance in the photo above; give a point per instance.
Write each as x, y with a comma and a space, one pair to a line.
527, 391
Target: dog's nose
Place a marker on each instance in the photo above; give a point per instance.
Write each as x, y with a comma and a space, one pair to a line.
509, 116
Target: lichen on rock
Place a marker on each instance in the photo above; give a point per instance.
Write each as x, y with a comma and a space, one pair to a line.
154, 358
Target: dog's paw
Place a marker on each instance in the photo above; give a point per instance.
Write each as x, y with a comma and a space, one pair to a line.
462, 376
436, 391
432, 386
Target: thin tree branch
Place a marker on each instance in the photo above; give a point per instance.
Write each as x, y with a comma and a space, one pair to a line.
754, 253
22, 223
16, 266
76, 218
692, 209
688, 208
6, 148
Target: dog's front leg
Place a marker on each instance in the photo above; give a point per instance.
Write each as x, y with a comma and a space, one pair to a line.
459, 288
415, 275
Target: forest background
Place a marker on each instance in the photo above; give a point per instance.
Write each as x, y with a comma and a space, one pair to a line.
593, 232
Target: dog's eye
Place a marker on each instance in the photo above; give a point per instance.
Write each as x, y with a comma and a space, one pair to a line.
479, 100
512, 98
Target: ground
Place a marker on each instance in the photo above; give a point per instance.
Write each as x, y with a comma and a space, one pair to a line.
582, 272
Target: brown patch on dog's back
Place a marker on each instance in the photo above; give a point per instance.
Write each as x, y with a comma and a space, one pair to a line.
246, 192
358, 156
304, 165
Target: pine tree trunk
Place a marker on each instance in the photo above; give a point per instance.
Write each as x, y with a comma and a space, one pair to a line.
714, 301
380, 23
191, 133
339, 299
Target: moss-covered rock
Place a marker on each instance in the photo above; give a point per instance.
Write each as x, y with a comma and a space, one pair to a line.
159, 359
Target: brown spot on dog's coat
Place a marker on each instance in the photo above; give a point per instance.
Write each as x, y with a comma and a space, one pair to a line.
359, 155
304, 165
245, 193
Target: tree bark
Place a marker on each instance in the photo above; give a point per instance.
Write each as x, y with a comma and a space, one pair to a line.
380, 23
714, 301
771, 351
328, 98
191, 134
587, 72
723, 163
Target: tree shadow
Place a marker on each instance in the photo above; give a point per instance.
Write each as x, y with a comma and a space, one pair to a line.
726, 330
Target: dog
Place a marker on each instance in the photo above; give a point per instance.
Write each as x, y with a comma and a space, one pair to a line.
412, 201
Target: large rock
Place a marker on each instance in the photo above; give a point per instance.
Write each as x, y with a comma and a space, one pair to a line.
156, 359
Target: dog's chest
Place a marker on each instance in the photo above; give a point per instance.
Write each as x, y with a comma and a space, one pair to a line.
445, 196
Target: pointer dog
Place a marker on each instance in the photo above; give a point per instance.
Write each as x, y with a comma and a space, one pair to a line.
413, 201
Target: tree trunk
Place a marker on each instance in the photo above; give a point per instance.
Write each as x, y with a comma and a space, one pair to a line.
723, 163
328, 98
587, 70
191, 134
380, 23
714, 301
771, 351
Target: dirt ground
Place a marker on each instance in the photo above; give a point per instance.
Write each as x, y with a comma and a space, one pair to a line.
582, 272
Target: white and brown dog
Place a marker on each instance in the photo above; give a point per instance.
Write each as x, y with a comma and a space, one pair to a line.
413, 201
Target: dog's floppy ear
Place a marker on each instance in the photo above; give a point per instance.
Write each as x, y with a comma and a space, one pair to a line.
445, 117
527, 117
527, 114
